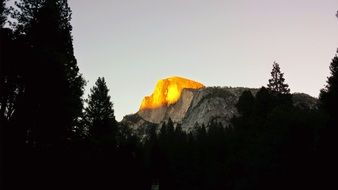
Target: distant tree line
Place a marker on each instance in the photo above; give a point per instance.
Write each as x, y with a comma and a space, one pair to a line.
271, 144
53, 138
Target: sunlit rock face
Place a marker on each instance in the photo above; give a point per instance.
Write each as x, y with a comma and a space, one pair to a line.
192, 107
167, 92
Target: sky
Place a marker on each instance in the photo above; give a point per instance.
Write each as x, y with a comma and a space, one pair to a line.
134, 43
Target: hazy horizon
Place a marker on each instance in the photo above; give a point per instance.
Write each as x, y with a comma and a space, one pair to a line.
218, 43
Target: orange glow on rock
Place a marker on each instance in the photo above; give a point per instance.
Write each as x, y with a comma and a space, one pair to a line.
168, 91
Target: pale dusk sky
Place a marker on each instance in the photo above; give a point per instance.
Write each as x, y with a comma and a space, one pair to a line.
133, 43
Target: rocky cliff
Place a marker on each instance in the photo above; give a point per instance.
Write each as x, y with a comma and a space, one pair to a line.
200, 106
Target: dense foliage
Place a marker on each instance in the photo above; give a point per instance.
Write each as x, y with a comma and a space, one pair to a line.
50, 140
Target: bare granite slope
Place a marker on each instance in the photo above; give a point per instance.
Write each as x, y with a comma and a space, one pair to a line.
201, 106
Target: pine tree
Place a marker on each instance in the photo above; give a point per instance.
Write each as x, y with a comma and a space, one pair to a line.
329, 95
276, 83
99, 114
7, 78
54, 86
327, 144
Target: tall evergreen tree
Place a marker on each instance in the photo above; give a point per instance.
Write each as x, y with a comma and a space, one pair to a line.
277, 82
11, 80
54, 86
9, 75
99, 113
329, 95
6, 87
328, 136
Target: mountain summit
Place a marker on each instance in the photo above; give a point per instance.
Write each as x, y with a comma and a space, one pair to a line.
189, 103
168, 91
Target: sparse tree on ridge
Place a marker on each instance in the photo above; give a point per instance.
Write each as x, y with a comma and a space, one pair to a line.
277, 82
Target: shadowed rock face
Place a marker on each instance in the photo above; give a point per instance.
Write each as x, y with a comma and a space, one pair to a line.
198, 106
212, 104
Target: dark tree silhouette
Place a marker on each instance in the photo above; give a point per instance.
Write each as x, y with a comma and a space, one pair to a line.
245, 103
54, 86
99, 114
276, 83
3, 12
263, 102
328, 137
2, 118
7, 84
12, 82
329, 95
9, 81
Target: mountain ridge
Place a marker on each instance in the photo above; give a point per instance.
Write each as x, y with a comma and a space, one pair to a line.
201, 106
